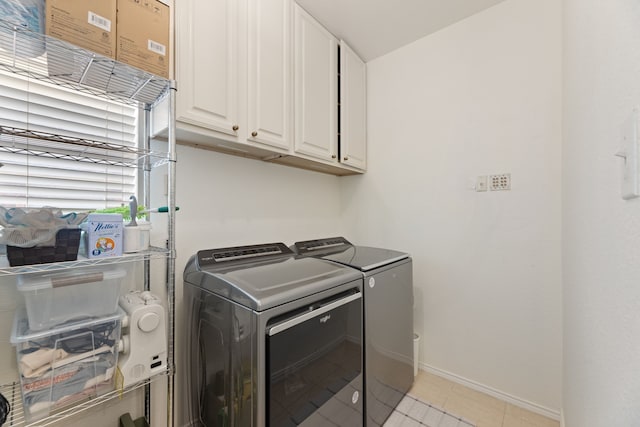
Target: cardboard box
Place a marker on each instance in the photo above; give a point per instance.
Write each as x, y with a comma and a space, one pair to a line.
103, 235
143, 35
90, 24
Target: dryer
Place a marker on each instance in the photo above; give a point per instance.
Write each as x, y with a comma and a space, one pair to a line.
388, 318
272, 340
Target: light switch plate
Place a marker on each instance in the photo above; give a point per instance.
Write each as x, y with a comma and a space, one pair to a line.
629, 153
481, 183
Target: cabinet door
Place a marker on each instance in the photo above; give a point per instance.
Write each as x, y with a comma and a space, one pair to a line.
207, 63
353, 108
269, 72
316, 73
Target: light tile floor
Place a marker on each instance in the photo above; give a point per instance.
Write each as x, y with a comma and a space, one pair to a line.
412, 412
473, 406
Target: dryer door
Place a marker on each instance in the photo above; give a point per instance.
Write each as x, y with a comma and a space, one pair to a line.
314, 364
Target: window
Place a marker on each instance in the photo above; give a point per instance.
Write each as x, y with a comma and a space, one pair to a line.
57, 177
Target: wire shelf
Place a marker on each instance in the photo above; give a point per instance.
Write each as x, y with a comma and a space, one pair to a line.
151, 253
42, 144
16, 418
39, 57
48, 59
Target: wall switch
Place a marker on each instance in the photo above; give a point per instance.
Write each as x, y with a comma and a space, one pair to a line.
500, 182
629, 153
481, 183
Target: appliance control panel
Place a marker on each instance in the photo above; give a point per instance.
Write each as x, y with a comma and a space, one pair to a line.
242, 254
313, 247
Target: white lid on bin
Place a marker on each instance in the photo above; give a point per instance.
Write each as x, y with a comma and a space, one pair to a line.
32, 282
21, 333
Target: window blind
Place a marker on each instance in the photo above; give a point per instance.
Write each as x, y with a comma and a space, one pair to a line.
61, 178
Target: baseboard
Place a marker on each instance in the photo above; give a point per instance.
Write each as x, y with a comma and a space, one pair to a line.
525, 404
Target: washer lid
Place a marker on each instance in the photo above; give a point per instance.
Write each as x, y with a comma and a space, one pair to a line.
262, 282
366, 258
338, 249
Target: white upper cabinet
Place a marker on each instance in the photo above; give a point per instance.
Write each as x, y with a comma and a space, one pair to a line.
207, 65
234, 73
316, 88
270, 90
353, 108
259, 78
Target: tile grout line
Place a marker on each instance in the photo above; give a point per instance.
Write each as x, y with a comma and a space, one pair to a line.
442, 412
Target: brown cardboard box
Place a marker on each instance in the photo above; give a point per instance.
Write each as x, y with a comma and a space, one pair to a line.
143, 35
90, 24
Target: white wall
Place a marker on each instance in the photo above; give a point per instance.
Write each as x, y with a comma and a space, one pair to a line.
601, 232
480, 97
231, 201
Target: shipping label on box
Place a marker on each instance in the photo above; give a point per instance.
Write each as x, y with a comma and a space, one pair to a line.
103, 235
90, 24
143, 35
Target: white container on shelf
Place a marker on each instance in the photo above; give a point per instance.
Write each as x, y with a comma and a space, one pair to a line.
136, 237
62, 366
55, 298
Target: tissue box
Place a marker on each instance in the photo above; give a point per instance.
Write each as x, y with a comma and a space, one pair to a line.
103, 235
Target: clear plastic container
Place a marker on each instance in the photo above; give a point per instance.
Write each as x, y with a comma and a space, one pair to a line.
64, 365
57, 298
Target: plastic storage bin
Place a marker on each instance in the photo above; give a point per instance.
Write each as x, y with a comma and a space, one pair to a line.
56, 298
65, 365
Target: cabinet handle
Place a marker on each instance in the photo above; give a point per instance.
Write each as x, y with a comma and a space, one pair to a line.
346, 158
235, 128
333, 156
254, 134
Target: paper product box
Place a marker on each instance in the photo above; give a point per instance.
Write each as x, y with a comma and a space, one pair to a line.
143, 35
90, 24
103, 235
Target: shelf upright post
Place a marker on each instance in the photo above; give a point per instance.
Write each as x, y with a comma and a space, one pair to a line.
171, 261
146, 197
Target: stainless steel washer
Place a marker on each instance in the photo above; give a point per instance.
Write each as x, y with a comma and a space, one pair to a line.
388, 318
272, 340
